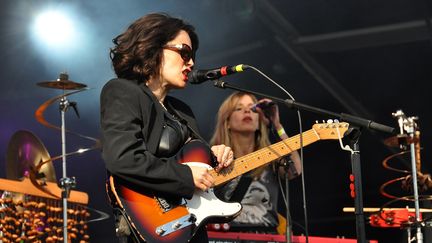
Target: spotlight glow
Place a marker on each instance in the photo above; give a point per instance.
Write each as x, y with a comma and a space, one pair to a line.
54, 28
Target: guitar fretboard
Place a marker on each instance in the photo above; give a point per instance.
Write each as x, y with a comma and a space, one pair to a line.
263, 156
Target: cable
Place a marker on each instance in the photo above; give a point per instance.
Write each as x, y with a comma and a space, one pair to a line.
131, 227
306, 228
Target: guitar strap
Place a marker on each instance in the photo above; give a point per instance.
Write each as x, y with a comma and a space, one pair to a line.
241, 189
124, 229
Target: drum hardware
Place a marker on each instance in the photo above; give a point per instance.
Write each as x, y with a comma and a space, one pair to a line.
25, 151
65, 183
400, 140
39, 192
29, 205
62, 83
407, 140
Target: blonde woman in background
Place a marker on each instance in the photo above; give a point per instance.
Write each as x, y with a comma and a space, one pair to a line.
243, 126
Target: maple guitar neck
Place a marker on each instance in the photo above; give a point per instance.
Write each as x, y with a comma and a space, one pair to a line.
263, 156
270, 153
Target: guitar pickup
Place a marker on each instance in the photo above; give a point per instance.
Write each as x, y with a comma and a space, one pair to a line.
167, 205
175, 225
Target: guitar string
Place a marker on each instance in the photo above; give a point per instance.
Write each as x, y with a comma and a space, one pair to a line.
308, 135
274, 148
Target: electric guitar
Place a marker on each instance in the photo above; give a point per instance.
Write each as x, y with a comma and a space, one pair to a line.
157, 219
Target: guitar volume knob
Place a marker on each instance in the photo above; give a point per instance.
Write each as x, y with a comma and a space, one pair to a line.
160, 231
176, 225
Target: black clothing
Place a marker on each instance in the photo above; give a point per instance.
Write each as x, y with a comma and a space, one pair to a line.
132, 121
174, 135
140, 139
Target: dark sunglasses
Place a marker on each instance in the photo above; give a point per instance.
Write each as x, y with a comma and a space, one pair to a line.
184, 50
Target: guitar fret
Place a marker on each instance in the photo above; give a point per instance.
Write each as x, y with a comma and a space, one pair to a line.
264, 156
235, 172
272, 152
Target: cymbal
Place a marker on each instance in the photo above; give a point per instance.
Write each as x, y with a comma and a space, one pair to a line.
62, 84
400, 139
24, 152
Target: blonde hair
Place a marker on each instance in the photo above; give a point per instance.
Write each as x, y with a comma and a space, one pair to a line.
222, 135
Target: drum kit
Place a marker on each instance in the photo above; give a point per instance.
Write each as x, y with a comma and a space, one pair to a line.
405, 216
34, 206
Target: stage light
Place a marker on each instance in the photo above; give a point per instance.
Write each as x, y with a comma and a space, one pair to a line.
54, 28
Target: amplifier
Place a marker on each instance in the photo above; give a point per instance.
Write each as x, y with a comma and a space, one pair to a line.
236, 237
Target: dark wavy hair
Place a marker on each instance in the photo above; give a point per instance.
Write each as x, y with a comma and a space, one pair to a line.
137, 53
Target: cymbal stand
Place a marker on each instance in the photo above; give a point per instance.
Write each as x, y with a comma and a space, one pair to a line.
65, 183
409, 125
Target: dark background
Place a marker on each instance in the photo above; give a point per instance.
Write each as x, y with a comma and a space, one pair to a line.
365, 58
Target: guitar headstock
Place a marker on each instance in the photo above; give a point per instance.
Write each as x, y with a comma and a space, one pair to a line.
330, 129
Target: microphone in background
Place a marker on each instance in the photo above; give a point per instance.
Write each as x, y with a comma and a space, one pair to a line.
199, 76
263, 105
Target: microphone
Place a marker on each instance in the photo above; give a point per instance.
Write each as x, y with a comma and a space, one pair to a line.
264, 106
199, 76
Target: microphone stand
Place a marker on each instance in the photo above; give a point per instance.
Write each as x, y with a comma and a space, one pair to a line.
355, 155
288, 227
287, 214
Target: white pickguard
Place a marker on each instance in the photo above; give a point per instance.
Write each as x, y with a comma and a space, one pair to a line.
205, 204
